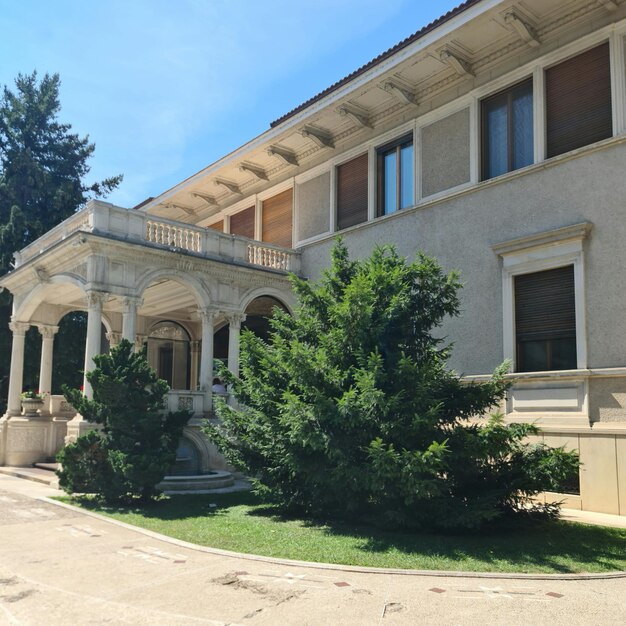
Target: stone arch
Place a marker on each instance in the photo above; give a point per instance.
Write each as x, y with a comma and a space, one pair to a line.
202, 445
29, 304
284, 298
201, 291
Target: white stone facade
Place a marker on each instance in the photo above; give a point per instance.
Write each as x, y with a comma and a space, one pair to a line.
127, 267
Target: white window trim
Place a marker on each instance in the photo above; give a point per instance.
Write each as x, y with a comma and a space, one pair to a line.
544, 251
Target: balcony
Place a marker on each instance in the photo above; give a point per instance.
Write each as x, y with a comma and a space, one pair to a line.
105, 219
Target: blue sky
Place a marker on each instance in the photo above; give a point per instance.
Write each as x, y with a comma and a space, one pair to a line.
166, 87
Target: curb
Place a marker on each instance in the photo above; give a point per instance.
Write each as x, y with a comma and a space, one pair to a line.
332, 566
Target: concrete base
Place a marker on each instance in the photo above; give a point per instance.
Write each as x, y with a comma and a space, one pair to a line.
26, 439
201, 482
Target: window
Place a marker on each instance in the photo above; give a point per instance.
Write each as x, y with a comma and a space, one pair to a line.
242, 223
507, 130
578, 101
277, 219
352, 192
395, 176
545, 320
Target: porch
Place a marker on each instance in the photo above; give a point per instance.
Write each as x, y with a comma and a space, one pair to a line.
182, 291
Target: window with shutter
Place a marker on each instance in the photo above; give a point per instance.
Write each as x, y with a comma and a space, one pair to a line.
217, 226
545, 320
277, 219
352, 192
578, 101
242, 223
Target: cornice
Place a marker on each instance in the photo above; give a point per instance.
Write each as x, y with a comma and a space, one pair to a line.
575, 232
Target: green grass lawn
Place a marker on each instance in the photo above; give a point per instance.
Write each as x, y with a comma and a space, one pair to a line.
243, 523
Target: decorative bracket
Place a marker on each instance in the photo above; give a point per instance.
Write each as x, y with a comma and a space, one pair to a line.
221, 182
609, 5
284, 154
320, 137
400, 91
524, 30
185, 209
255, 170
357, 114
210, 200
460, 65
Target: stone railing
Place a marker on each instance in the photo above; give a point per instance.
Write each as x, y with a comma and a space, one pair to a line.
107, 219
270, 256
181, 400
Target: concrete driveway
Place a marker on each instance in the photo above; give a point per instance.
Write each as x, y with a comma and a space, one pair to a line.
60, 566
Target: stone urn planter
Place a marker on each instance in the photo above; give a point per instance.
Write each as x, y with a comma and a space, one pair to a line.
32, 406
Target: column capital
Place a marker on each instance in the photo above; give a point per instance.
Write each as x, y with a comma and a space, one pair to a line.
113, 337
47, 331
208, 315
96, 299
235, 319
140, 340
19, 328
130, 304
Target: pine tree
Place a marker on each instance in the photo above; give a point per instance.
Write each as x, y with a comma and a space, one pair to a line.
137, 442
42, 170
350, 410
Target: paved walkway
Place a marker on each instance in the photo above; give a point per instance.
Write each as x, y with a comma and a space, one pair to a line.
60, 566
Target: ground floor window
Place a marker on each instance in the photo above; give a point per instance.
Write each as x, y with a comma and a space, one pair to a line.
545, 320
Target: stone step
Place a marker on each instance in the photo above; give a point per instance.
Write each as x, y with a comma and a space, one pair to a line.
32, 473
50, 467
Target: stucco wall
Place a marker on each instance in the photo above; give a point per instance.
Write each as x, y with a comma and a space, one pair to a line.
314, 207
460, 232
445, 153
607, 400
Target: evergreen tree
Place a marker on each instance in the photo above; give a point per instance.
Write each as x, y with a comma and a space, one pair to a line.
42, 170
349, 410
137, 442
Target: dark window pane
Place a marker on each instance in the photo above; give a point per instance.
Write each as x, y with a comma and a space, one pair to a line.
523, 127
497, 139
390, 164
406, 176
533, 356
564, 354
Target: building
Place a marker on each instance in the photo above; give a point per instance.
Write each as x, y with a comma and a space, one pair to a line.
494, 139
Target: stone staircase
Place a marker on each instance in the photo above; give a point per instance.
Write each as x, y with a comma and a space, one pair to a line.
40, 473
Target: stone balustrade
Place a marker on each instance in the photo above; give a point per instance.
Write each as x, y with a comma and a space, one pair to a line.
107, 219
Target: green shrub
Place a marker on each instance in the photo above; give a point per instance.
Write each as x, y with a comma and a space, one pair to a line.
350, 411
136, 444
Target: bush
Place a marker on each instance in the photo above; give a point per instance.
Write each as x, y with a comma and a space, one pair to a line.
137, 442
349, 410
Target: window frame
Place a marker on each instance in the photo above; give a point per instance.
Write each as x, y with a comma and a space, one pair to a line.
484, 153
381, 152
544, 251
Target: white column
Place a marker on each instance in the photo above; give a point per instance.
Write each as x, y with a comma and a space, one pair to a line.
47, 344
16, 377
95, 301
130, 304
206, 357
194, 348
234, 329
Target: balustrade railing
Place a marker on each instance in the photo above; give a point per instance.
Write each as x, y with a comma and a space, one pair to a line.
105, 218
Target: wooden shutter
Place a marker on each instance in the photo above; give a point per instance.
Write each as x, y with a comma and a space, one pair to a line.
352, 192
218, 226
578, 101
277, 219
545, 305
242, 223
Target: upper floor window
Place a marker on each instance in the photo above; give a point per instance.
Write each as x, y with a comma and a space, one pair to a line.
545, 320
578, 101
507, 130
352, 192
395, 175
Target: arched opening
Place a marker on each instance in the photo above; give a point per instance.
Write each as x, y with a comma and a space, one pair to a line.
258, 314
68, 359
169, 353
